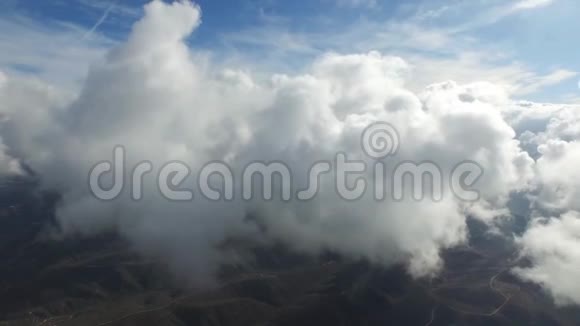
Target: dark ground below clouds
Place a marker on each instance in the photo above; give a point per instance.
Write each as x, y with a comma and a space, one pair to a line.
100, 282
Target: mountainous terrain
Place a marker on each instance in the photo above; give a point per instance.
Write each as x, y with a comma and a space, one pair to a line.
100, 281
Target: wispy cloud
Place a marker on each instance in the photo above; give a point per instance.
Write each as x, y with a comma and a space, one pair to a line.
102, 19
531, 4
53, 51
556, 77
357, 3
477, 14
437, 53
119, 8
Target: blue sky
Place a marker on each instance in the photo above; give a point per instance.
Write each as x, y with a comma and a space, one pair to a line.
528, 44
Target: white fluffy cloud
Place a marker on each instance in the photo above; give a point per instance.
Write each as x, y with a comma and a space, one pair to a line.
551, 132
553, 245
164, 102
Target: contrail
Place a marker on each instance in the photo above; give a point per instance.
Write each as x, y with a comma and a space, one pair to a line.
101, 20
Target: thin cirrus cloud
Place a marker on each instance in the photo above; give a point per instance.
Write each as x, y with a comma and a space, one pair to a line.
441, 34
357, 3
531, 4
54, 52
283, 48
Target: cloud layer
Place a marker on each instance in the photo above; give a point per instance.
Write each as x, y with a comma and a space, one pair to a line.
164, 102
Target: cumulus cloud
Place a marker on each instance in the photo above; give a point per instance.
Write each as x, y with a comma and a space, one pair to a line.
163, 101
8, 165
550, 133
553, 245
